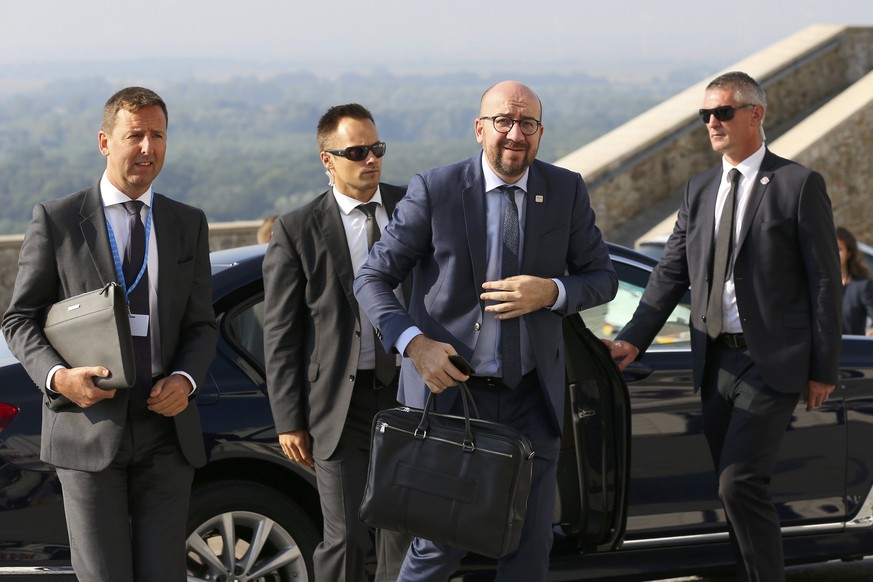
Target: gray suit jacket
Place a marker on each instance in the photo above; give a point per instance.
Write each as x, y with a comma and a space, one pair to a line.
787, 275
66, 252
312, 328
438, 233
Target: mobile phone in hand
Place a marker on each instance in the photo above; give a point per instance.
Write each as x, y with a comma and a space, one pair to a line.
463, 365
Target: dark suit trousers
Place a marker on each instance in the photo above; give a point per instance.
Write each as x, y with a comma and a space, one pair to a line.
744, 421
525, 409
128, 521
342, 555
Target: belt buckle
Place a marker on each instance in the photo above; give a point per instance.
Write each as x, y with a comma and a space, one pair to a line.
733, 340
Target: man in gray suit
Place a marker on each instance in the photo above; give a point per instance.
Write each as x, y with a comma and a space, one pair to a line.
125, 457
502, 247
755, 240
326, 375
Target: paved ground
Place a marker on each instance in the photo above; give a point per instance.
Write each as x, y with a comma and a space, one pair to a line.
858, 571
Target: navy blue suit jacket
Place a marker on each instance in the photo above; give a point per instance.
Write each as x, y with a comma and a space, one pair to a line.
438, 233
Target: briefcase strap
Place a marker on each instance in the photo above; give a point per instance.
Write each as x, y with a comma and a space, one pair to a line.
466, 399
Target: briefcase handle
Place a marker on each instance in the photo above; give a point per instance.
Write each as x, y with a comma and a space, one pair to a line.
466, 399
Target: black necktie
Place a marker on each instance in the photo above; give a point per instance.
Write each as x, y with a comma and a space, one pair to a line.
386, 364
138, 298
722, 258
510, 333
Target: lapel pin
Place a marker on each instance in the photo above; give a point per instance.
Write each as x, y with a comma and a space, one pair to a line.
765, 180
538, 198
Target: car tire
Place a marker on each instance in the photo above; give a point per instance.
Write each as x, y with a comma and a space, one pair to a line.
273, 537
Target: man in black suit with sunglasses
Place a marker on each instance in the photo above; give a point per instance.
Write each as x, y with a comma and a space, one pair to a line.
766, 304
326, 376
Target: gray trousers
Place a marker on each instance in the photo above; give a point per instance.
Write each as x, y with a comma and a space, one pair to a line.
127, 523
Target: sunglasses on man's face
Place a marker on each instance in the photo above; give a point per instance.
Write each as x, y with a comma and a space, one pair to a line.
358, 153
723, 113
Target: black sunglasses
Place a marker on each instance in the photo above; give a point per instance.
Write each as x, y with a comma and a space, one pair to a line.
723, 113
358, 153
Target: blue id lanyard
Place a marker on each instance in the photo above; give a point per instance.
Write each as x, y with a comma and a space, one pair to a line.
117, 258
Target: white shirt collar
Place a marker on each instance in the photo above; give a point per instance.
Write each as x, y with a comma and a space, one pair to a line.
748, 167
347, 204
112, 195
492, 180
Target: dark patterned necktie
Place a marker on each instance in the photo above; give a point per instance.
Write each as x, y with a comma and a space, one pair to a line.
386, 364
510, 332
138, 298
722, 258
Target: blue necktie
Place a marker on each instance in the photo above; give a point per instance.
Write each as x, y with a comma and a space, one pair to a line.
510, 332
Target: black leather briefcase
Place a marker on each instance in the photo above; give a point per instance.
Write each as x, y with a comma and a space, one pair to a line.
450, 479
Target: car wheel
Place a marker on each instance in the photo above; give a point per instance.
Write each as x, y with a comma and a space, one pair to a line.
247, 532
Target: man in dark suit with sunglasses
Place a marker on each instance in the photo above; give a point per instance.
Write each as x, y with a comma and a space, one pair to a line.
766, 304
326, 376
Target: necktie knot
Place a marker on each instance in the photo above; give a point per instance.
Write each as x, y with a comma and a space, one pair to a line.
369, 209
133, 207
734, 175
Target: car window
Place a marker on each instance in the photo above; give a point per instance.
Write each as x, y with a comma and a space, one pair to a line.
608, 319
247, 330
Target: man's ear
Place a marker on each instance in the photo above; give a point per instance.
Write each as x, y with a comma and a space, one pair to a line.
103, 143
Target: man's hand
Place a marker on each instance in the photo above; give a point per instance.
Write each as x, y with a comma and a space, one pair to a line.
624, 352
518, 295
297, 446
77, 384
169, 395
431, 359
817, 394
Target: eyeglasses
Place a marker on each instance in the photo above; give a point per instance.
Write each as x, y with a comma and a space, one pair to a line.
504, 124
723, 113
358, 153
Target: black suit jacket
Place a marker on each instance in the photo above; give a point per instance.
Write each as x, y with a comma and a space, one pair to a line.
66, 252
787, 275
312, 328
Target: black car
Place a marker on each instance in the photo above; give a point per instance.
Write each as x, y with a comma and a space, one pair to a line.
637, 491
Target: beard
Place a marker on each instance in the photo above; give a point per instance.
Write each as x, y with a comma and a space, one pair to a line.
510, 168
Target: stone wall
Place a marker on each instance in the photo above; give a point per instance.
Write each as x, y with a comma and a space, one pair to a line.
636, 173
836, 141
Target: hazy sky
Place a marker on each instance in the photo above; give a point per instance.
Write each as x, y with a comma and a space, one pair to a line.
454, 34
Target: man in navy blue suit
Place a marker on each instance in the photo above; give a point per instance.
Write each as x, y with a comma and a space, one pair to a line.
502, 247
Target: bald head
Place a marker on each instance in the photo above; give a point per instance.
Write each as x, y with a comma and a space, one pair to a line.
506, 92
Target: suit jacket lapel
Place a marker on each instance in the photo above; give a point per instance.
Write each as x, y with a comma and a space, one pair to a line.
166, 227
473, 201
535, 218
329, 226
706, 218
764, 177
93, 227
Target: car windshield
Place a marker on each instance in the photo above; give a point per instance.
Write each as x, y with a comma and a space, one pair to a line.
6, 356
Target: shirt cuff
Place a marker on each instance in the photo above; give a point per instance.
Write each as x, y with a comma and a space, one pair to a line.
561, 302
405, 338
190, 379
48, 379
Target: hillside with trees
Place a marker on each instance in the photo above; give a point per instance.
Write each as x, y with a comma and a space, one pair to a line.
244, 147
